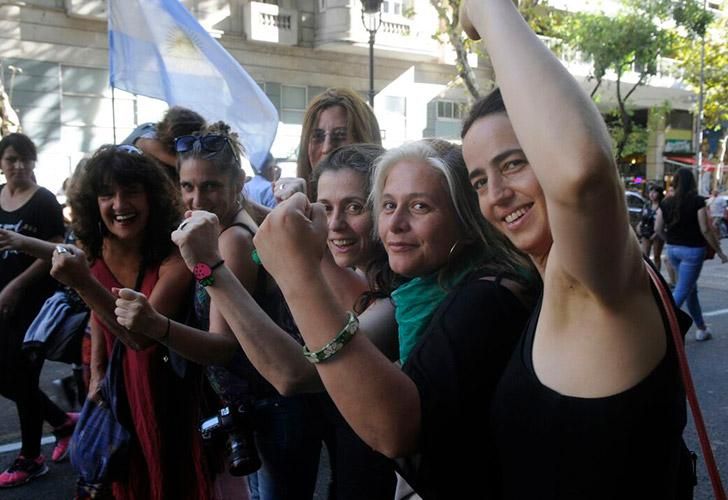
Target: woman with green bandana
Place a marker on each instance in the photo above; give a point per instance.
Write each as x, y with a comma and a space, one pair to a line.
459, 315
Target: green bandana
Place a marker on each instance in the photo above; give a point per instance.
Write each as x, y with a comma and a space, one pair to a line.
415, 302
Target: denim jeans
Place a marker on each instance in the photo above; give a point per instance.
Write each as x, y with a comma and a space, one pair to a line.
688, 262
289, 449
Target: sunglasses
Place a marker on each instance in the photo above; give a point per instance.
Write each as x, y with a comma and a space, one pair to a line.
336, 136
212, 143
128, 148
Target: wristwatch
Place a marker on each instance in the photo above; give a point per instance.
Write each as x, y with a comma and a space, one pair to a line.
203, 272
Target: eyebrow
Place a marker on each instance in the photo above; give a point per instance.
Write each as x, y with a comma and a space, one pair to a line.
495, 161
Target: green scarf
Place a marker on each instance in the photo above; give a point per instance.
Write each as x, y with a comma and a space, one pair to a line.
415, 302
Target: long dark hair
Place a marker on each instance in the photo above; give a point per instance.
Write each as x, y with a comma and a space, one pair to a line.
685, 188
112, 165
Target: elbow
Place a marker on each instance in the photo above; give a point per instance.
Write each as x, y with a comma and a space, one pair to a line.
395, 446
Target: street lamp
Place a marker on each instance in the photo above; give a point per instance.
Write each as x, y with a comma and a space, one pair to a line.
371, 18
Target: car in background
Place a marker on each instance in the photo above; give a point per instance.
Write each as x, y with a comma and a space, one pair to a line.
635, 204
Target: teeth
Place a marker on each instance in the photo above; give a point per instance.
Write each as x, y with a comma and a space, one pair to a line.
124, 217
515, 215
343, 243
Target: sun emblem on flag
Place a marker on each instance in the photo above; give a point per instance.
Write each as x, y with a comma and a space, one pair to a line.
182, 44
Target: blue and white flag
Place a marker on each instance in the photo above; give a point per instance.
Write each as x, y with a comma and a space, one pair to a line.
158, 49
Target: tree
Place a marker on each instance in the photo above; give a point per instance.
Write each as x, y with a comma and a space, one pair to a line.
715, 76
536, 13
633, 40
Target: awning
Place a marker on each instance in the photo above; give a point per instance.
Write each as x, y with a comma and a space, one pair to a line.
689, 161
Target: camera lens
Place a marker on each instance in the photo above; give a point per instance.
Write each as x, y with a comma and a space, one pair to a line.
244, 457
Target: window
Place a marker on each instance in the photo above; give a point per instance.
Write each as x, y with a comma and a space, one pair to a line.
450, 110
293, 104
393, 7
681, 119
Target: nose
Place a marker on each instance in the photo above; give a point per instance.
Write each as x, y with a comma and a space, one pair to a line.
336, 220
498, 190
328, 145
399, 220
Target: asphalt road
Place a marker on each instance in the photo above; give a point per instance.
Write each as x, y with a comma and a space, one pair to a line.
708, 361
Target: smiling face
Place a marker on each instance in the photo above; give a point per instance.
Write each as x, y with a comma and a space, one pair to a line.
124, 210
417, 221
205, 187
330, 132
343, 195
18, 171
509, 193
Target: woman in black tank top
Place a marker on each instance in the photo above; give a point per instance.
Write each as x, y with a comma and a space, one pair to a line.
591, 405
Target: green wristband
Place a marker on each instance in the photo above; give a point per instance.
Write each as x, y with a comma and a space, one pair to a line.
341, 339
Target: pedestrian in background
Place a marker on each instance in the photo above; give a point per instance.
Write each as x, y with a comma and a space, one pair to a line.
26, 210
683, 220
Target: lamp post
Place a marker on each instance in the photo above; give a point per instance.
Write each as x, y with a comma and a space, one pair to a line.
371, 18
699, 149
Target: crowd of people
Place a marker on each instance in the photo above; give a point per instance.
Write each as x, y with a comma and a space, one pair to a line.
404, 308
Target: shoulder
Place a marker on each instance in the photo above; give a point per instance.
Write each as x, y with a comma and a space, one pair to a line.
173, 264
237, 236
45, 196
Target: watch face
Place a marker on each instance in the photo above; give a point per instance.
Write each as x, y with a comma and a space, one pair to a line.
201, 271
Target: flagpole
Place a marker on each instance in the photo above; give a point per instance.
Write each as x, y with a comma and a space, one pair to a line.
113, 112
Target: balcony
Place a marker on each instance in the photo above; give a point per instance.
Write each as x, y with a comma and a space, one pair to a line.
266, 22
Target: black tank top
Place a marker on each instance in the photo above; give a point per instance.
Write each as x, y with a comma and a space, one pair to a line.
620, 447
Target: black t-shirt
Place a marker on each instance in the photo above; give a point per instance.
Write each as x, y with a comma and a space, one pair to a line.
456, 366
683, 228
41, 217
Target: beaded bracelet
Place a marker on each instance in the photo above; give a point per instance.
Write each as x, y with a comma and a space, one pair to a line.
341, 339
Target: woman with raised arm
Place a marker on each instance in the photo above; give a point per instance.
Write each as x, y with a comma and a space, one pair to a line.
289, 430
459, 275
591, 404
124, 208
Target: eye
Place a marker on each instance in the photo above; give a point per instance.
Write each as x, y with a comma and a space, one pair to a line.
318, 136
513, 165
480, 183
420, 207
186, 186
327, 207
354, 208
388, 206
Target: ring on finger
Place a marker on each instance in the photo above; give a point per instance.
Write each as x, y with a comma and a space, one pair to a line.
61, 249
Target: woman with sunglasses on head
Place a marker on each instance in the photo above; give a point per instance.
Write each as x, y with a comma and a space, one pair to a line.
456, 275
343, 185
591, 404
124, 208
211, 179
28, 214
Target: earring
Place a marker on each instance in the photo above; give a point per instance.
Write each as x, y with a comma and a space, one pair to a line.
452, 249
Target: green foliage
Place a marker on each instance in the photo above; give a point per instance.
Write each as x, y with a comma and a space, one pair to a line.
715, 108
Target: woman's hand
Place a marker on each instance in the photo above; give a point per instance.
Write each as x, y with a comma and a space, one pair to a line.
197, 238
10, 240
69, 266
465, 19
292, 239
135, 313
288, 186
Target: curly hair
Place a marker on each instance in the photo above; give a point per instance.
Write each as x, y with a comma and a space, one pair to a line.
111, 165
361, 123
178, 121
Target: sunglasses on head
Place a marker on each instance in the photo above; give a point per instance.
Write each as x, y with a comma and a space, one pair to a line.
128, 148
212, 143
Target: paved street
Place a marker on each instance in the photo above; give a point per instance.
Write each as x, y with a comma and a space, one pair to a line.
709, 363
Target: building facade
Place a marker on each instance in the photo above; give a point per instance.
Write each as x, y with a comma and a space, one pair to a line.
55, 66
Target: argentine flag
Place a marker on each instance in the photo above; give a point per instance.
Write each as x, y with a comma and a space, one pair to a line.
158, 49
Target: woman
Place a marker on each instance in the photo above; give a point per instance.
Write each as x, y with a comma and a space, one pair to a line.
335, 118
649, 238
427, 218
591, 404
124, 205
357, 472
28, 213
683, 221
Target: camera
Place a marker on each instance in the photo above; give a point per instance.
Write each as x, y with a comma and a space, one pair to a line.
237, 422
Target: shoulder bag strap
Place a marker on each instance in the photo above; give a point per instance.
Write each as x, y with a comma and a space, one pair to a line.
687, 379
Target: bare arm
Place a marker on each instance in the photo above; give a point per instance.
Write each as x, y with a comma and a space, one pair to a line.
99, 359
40, 249
709, 234
379, 401
568, 146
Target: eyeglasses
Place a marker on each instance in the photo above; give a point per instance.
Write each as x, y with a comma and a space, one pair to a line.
336, 136
128, 148
212, 143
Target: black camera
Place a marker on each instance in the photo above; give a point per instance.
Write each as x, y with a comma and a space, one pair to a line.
237, 422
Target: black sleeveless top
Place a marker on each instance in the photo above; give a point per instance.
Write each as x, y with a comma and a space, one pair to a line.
620, 447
